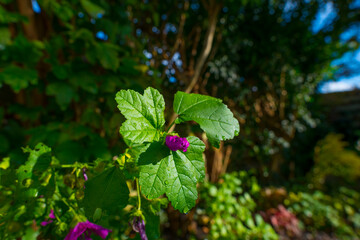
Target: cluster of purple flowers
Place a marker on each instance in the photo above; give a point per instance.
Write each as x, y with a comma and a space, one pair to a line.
175, 143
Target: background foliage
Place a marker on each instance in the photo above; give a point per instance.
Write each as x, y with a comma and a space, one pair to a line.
61, 63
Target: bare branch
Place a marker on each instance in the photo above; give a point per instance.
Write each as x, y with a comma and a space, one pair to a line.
209, 38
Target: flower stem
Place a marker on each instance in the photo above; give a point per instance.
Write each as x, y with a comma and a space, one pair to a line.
139, 194
66, 203
64, 166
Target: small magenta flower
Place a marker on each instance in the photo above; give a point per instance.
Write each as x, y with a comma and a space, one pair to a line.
85, 229
51, 216
84, 174
175, 143
139, 226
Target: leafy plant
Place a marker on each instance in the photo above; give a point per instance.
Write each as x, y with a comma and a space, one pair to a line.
284, 222
231, 208
332, 159
320, 212
159, 162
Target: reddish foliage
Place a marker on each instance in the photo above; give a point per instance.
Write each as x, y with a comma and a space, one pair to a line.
283, 221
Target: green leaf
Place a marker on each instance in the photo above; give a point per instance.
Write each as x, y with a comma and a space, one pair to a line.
42, 163
85, 81
9, 17
63, 93
213, 116
144, 114
18, 78
5, 37
92, 9
63, 10
49, 189
26, 52
69, 152
153, 174
61, 71
39, 153
155, 152
4, 144
156, 102
5, 163
107, 54
176, 175
106, 191
30, 234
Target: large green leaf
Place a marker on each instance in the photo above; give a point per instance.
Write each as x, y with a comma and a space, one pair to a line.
144, 114
106, 191
175, 175
154, 173
213, 116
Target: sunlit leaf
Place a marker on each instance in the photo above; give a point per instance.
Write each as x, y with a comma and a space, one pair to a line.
213, 116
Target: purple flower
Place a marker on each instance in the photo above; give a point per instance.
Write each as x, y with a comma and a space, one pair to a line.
177, 143
84, 174
139, 226
51, 216
85, 229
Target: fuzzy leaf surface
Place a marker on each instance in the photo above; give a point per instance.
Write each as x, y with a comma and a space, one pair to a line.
210, 113
175, 175
106, 191
144, 114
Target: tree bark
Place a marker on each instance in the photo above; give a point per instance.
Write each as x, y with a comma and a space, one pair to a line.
25, 8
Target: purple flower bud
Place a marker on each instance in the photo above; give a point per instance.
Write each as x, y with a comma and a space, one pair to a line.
175, 143
139, 226
84, 174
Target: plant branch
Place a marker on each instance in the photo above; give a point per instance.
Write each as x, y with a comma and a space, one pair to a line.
209, 38
172, 123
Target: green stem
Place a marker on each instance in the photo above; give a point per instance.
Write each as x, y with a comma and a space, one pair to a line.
57, 218
64, 166
75, 165
139, 194
66, 203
